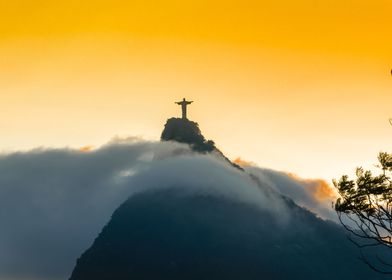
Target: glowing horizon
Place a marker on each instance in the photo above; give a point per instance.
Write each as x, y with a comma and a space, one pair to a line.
300, 86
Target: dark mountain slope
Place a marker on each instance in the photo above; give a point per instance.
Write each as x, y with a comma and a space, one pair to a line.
170, 235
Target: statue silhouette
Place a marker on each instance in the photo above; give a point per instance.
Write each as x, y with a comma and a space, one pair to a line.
183, 104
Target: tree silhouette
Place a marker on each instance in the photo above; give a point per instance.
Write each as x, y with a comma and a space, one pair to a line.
365, 208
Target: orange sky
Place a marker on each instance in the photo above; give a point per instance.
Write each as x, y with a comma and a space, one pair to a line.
302, 86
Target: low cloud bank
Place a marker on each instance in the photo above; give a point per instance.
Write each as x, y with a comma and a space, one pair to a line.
53, 203
315, 195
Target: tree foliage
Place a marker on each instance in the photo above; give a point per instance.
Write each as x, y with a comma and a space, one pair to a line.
365, 205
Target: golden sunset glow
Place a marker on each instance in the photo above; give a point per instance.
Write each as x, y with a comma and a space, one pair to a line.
302, 86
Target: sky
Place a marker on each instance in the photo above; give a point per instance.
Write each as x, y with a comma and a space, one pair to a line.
301, 86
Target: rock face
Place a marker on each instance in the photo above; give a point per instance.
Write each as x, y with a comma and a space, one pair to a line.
186, 131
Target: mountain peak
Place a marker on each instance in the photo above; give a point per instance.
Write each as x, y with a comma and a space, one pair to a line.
185, 131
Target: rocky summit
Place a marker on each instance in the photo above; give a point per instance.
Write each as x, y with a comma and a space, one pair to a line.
186, 131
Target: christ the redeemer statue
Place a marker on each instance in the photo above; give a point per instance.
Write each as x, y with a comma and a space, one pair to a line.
183, 104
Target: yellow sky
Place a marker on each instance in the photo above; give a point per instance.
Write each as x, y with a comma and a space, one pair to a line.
302, 86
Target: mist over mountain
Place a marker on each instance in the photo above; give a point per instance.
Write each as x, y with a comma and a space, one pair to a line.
168, 203
202, 219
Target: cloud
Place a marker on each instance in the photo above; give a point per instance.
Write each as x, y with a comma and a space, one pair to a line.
314, 194
54, 202
243, 163
318, 188
86, 148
